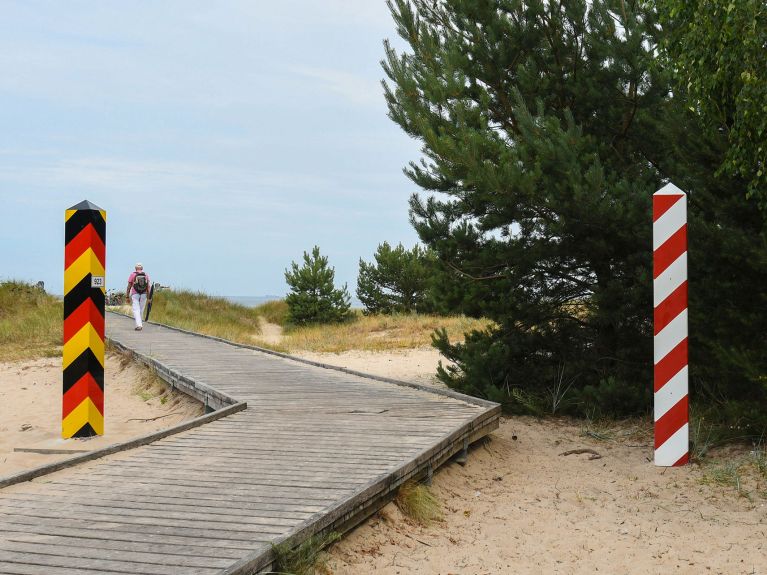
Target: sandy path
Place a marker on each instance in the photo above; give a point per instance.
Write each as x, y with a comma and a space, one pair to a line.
271, 333
520, 507
416, 365
30, 410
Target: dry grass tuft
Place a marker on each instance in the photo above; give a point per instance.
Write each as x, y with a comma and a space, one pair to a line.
418, 503
306, 559
741, 468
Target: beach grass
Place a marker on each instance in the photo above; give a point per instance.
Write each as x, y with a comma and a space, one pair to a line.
377, 333
418, 503
222, 318
308, 558
206, 314
31, 322
274, 311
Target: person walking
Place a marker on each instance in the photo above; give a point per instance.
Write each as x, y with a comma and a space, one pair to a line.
138, 288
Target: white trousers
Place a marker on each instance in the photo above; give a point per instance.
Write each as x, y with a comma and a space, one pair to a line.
138, 301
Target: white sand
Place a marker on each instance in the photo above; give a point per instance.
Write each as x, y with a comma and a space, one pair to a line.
30, 400
415, 365
520, 507
517, 507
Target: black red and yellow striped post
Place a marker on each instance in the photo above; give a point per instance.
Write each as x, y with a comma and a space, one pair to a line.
84, 292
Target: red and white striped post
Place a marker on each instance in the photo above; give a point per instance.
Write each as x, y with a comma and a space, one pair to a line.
669, 238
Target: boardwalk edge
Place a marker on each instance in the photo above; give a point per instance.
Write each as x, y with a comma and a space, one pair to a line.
368, 499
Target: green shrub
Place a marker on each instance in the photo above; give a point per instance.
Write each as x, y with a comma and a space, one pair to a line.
313, 297
396, 282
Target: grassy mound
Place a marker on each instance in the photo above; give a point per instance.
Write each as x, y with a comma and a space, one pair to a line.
31, 322
206, 314
378, 332
274, 311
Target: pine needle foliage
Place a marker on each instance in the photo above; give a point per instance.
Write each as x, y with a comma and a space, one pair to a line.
313, 297
546, 128
397, 281
533, 118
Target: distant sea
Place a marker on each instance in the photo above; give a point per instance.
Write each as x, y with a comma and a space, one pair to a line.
251, 300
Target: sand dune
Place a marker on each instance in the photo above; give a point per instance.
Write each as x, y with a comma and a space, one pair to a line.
519, 506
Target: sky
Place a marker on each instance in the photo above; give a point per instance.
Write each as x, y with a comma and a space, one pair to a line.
223, 139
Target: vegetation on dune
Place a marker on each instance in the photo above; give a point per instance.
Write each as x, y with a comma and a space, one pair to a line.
206, 314
222, 318
377, 332
307, 558
743, 472
275, 312
397, 281
546, 128
418, 503
313, 297
31, 322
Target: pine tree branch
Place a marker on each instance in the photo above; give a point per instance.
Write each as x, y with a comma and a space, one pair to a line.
476, 278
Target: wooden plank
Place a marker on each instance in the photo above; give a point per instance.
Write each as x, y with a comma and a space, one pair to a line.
152, 516
185, 506
85, 531
204, 555
245, 492
53, 562
162, 523
32, 569
134, 555
132, 444
200, 498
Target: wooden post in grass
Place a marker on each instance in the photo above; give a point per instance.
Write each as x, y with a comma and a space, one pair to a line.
669, 237
84, 293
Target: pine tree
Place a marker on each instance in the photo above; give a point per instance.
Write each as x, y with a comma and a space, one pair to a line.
546, 128
397, 282
534, 119
313, 297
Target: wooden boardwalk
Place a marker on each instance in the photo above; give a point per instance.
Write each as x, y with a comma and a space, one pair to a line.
314, 450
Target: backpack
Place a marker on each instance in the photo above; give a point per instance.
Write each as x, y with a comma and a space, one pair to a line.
140, 283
